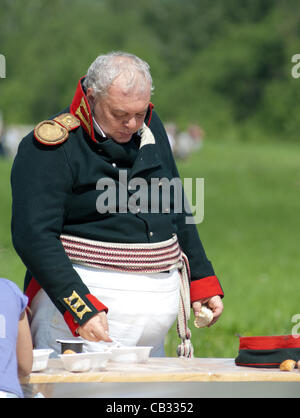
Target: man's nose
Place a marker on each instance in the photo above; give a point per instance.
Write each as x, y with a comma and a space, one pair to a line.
131, 123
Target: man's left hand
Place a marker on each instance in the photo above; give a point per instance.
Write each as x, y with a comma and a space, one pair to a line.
214, 303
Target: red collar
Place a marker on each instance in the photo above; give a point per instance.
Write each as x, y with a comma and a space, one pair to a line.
81, 109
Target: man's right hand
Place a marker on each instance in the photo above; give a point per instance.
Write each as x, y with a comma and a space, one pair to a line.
95, 329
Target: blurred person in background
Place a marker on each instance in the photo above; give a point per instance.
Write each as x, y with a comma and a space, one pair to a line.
188, 141
197, 135
2, 151
171, 130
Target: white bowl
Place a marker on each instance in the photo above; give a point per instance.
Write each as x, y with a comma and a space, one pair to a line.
40, 359
82, 362
130, 354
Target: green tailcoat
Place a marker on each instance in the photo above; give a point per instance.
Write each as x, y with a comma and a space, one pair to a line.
54, 189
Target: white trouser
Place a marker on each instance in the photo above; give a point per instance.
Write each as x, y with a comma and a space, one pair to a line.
141, 309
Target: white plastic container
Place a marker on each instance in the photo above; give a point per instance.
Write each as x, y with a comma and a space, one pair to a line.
82, 362
74, 345
130, 354
40, 359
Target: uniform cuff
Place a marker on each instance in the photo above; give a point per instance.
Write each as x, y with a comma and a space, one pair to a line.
80, 310
72, 324
205, 288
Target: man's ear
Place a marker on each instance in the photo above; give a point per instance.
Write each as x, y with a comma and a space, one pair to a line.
90, 95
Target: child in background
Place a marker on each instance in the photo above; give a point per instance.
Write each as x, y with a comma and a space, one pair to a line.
16, 355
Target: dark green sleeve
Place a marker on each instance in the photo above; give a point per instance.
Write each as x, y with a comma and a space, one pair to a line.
41, 182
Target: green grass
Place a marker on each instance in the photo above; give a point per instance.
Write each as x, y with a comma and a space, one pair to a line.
11, 266
250, 232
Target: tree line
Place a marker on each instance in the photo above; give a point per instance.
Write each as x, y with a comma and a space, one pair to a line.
223, 64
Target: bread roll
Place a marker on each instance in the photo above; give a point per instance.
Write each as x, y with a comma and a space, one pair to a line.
204, 317
69, 352
287, 365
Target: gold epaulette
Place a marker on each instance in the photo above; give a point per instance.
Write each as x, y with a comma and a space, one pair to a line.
56, 131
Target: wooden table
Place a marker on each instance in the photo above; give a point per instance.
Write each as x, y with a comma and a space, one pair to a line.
197, 372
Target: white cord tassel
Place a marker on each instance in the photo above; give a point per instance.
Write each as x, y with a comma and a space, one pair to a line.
185, 349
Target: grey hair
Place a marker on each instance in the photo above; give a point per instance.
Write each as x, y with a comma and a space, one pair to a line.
106, 68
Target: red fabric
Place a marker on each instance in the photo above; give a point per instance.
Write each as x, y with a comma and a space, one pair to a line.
97, 304
32, 290
72, 324
76, 104
205, 288
151, 105
257, 364
269, 342
70, 321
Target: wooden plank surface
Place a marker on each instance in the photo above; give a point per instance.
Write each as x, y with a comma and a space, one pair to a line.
165, 370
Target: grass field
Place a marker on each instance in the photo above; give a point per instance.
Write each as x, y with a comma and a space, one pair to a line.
250, 232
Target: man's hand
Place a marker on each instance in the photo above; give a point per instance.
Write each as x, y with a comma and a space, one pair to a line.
214, 303
95, 329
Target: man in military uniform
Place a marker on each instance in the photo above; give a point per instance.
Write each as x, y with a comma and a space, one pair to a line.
88, 269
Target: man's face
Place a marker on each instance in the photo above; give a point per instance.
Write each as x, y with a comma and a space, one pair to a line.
120, 114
